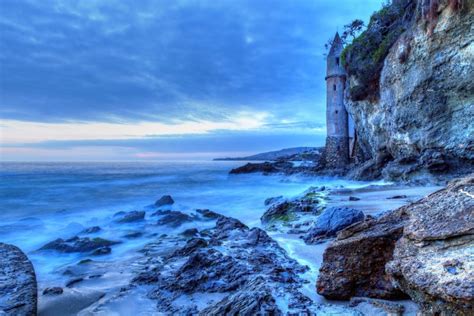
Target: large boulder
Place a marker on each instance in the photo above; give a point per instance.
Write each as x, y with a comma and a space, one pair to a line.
434, 260
354, 264
331, 221
133, 216
18, 289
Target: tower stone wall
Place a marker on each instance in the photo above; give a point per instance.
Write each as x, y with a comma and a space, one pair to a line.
337, 121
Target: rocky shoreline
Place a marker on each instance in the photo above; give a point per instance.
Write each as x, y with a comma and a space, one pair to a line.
211, 264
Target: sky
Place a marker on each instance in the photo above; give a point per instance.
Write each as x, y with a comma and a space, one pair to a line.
164, 79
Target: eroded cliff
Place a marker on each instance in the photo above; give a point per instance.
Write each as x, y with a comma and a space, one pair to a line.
415, 117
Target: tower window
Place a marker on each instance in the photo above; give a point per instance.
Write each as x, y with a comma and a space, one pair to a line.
337, 61
334, 87
337, 112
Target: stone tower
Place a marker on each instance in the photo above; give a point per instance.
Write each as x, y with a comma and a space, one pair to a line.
337, 140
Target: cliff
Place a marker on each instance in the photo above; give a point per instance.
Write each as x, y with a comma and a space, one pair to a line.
411, 90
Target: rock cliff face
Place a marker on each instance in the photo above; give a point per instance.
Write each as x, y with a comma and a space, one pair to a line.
421, 123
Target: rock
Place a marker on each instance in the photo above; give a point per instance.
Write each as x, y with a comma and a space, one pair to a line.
245, 266
265, 167
133, 235
18, 289
279, 212
331, 221
78, 244
101, 251
353, 198
422, 118
354, 264
53, 290
191, 232
287, 210
132, 216
433, 262
256, 299
207, 214
164, 200
91, 230
74, 281
395, 197
273, 200
174, 219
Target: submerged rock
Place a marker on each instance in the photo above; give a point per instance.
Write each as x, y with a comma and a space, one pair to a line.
434, 260
91, 230
78, 244
164, 200
174, 219
331, 221
132, 216
18, 289
53, 290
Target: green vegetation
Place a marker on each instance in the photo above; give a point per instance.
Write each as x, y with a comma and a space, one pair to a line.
364, 57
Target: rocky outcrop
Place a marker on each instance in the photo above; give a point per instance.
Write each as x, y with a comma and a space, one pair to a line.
18, 289
423, 250
164, 200
331, 221
434, 260
354, 264
420, 124
132, 216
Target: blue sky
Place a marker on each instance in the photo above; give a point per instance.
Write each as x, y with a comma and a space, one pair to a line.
127, 80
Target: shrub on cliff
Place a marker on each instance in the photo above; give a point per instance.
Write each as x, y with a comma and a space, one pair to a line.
363, 58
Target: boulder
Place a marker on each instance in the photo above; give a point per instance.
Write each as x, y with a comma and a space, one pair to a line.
78, 244
354, 263
91, 230
331, 221
434, 260
164, 200
174, 219
18, 289
132, 216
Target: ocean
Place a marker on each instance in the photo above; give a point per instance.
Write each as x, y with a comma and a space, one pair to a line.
44, 201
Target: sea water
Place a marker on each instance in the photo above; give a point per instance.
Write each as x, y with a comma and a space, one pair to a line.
40, 202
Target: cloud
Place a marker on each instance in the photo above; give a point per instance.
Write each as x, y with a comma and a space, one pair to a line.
166, 61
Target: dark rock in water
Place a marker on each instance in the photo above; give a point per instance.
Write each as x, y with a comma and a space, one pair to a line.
265, 167
164, 200
331, 221
74, 281
353, 198
174, 219
18, 289
395, 197
71, 302
91, 230
53, 290
433, 261
273, 200
133, 235
78, 244
354, 264
132, 216
161, 213
191, 232
207, 214
121, 213
101, 251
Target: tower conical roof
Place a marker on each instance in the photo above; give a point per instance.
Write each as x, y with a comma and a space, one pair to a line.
337, 45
